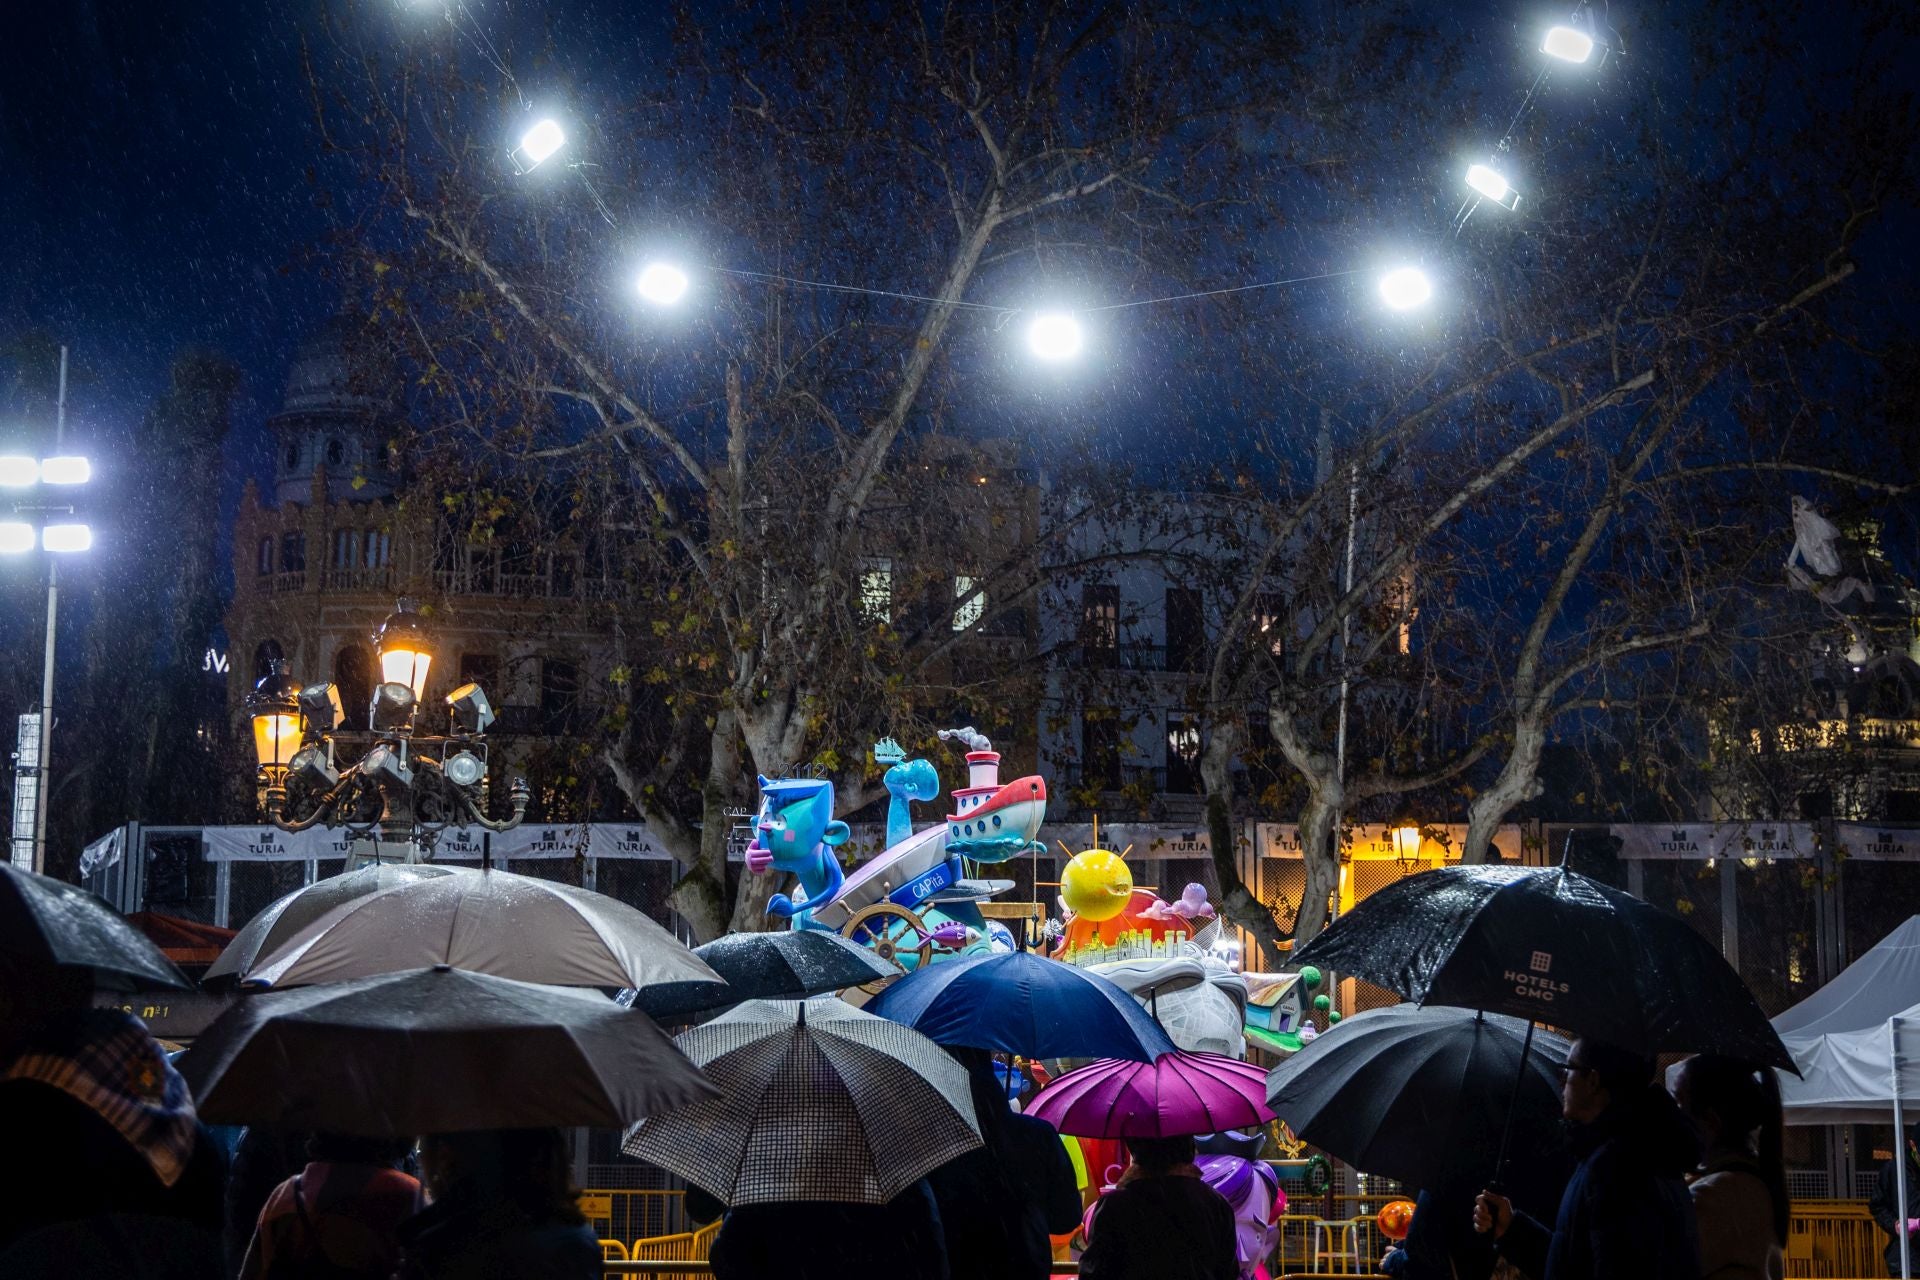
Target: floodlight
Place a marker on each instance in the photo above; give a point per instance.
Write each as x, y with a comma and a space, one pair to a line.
1055, 336
17, 472
69, 469
320, 707
392, 708
472, 713
536, 144
1568, 44
311, 767
1405, 288
66, 537
16, 537
464, 769
1493, 185
661, 284
385, 765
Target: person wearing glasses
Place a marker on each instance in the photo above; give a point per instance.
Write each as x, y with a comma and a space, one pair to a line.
1626, 1211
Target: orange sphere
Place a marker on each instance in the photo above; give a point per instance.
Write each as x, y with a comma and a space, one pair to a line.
1395, 1217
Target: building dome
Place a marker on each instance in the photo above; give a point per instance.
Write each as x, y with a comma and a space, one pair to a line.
333, 371
338, 393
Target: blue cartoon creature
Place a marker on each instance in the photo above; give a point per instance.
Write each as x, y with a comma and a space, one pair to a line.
906, 781
796, 832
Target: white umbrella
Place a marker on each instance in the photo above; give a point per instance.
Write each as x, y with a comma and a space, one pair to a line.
493, 922
818, 1101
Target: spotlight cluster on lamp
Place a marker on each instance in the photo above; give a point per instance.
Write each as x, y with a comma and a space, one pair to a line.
407, 784
49, 527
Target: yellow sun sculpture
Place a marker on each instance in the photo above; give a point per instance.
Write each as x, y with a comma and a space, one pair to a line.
1096, 884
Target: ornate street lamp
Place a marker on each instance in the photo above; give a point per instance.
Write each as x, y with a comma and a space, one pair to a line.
1406, 845
406, 786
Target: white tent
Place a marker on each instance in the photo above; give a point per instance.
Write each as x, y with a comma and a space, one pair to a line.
1847, 1077
1878, 985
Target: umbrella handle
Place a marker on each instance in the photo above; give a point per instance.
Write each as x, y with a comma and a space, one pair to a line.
1513, 1102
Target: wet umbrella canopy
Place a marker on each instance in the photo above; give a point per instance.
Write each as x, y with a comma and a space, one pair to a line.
1415, 1093
1548, 944
493, 922
281, 920
1180, 1093
48, 924
1018, 1002
435, 1051
785, 964
819, 1102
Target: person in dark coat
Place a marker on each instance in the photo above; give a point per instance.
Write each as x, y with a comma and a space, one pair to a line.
501, 1207
902, 1239
339, 1216
1012, 1193
264, 1158
108, 1154
1161, 1222
1892, 1220
1625, 1211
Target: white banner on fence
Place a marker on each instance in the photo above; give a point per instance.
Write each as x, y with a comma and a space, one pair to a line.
104, 852
451, 844
1148, 840
1373, 841
1700, 841
1878, 844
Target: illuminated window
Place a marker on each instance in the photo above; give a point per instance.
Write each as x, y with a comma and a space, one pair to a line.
970, 603
876, 590
1100, 622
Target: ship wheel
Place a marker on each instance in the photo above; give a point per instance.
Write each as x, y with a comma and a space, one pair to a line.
888, 929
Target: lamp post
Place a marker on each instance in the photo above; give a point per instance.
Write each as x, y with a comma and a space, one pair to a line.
407, 785
1406, 844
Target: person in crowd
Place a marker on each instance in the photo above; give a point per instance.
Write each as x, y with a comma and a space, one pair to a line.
902, 1239
1440, 1243
1740, 1193
501, 1206
1893, 1216
1161, 1221
338, 1217
1013, 1192
264, 1158
1625, 1211
110, 1160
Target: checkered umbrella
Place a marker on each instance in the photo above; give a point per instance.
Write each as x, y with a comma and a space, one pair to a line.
819, 1101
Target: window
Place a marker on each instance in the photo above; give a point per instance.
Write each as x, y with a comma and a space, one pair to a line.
353, 676
969, 602
1269, 622
375, 555
1100, 622
265, 654
346, 549
264, 564
336, 453
1186, 629
293, 455
876, 590
559, 694
482, 669
293, 553
480, 569
1100, 749
1183, 756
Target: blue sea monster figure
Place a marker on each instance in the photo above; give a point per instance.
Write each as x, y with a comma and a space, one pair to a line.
906, 781
796, 832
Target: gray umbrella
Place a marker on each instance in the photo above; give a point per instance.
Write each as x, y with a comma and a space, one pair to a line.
493, 922
281, 920
48, 924
435, 1051
785, 964
819, 1101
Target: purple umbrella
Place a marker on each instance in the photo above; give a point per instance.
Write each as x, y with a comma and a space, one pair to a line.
1180, 1093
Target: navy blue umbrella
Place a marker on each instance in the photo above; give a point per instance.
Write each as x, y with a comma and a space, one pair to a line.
1017, 1002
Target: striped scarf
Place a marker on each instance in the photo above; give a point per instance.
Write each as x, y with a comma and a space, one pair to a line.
106, 1060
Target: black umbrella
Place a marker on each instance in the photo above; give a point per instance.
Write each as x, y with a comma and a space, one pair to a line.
436, 1051
48, 924
281, 920
1547, 944
786, 964
1420, 1094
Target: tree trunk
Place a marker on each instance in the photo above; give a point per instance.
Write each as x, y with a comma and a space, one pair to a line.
1519, 782
1238, 904
1321, 851
701, 895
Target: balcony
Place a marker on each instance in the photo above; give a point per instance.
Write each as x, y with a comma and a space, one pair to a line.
378, 579
528, 586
